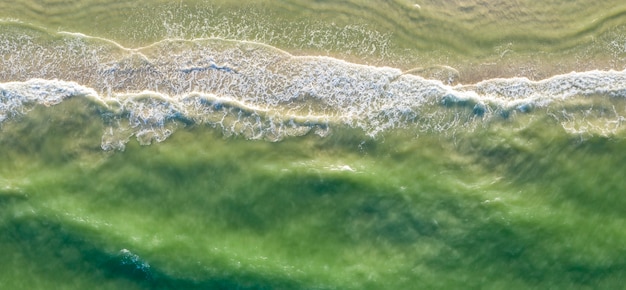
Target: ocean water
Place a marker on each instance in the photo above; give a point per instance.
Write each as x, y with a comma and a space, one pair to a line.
299, 144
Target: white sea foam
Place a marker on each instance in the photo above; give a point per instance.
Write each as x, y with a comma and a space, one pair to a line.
257, 91
17, 97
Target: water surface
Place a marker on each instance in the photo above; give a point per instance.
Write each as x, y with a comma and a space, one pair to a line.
312, 144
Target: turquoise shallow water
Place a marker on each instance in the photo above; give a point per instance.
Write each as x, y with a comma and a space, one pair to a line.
337, 152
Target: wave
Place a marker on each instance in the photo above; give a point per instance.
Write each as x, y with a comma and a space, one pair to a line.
261, 92
405, 103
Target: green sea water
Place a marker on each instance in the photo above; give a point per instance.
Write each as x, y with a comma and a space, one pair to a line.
312, 144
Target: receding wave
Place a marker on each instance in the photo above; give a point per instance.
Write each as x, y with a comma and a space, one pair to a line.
541, 38
260, 92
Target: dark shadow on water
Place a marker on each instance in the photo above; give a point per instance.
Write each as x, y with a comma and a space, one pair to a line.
59, 247
518, 252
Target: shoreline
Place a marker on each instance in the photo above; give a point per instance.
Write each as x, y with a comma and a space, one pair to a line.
448, 67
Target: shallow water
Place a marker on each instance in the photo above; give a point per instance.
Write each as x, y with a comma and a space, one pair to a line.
312, 145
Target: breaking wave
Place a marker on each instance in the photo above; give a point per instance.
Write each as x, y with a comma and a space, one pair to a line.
260, 92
